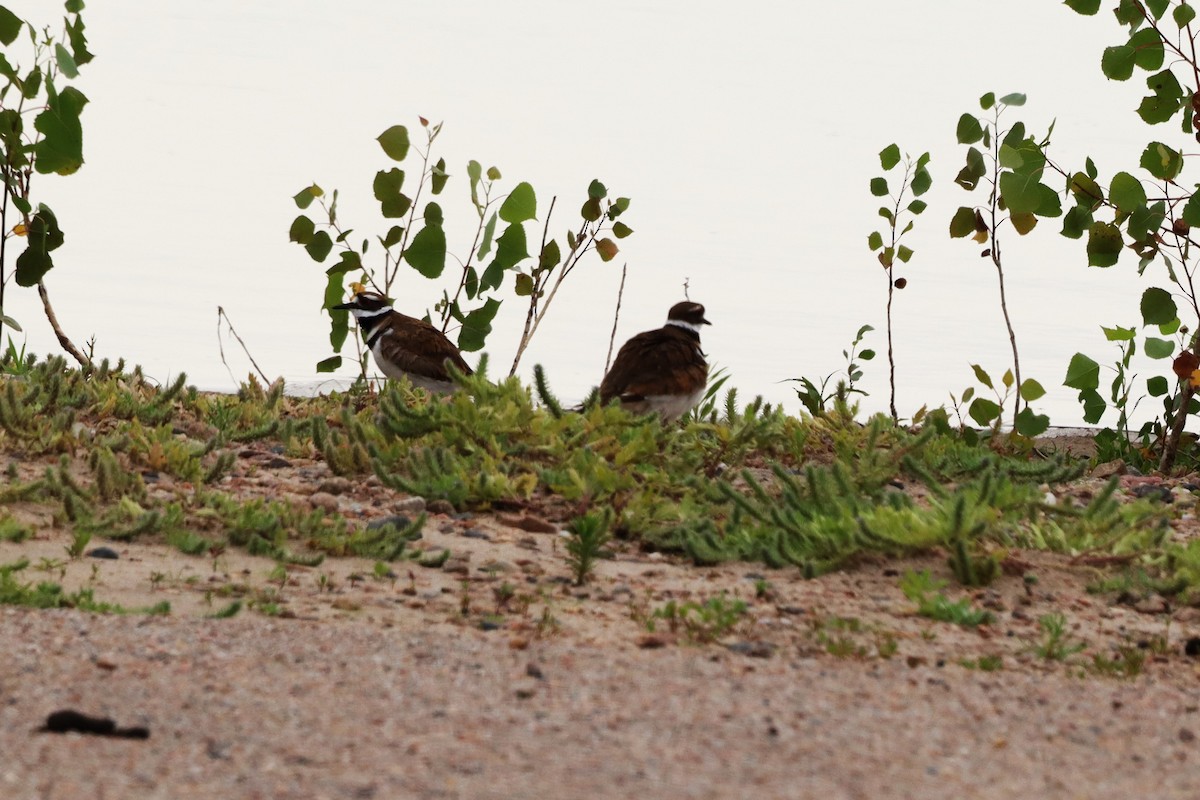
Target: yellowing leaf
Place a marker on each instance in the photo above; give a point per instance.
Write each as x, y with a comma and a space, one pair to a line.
357, 288
20, 229
1195, 379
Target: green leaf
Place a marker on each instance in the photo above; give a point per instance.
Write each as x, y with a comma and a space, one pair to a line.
393, 204
969, 131
1159, 348
1031, 390
903, 253
1158, 307
968, 177
474, 175
621, 230
1082, 373
489, 232
523, 285
1126, 192
493, 173
10, 26
302, 230
1117, 62
304, 197
1104, 244
1147, 49
1077, 220
520, 205
394, 142
987, 101
982, 376
1191, 211
962, 223
591, 210
61, 148
1023, 192
349, 261
511, 249
426, 252
550, 256
1086, 7
330, 364
1093, 406
1168, 98
875, 241
879, 187
917, 206
1014, 99
983, 411
597, 190
1157, 7
1031, 424
1023, 222
618, 207
438, 176
319, 245
393, 236
66, 62
433, 214
1162, 161
1119, 334
42, 237
889, 156
477, 325
921, 181
1157, 386
77, 38
1183, 14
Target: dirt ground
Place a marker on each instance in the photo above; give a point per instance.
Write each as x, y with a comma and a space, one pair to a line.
495, 676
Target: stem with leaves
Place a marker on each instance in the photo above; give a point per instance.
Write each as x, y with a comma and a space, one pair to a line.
916, 178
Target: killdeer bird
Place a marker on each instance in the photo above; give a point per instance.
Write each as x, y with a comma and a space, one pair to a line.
404, 346
661, 370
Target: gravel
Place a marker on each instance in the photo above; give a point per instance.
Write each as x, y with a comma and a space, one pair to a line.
256, 707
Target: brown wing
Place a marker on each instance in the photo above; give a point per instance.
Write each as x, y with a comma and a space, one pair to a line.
416, 346
665, 361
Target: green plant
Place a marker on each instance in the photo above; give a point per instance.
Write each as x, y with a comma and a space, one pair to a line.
918, 586
1012, 169
52, 144
1054, 646
815, 398
700, 622
589, 534
421, 243
1126, 664
915, 178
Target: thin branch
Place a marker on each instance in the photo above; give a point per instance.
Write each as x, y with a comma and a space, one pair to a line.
66, 343
616, 316
222, 315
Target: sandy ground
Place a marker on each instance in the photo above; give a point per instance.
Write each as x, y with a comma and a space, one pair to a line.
434, 686
495, 677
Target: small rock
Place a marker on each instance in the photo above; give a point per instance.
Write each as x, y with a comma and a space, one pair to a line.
323, 500
1109, 468
489, 625
1153, 492
475, 533
752, 649
103, 552
915, 661
651, 641
494, 566
399, 521
1154, 604
1186, 735
409, 505
276, 462
528, 523
335, 485
1192, 646
439, 507
534, 671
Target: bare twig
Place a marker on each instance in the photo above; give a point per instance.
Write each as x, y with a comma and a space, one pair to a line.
1171, 443
222, 315
66, 343
616, 316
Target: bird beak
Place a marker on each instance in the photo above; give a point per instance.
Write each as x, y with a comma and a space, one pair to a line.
703, 321
345, 306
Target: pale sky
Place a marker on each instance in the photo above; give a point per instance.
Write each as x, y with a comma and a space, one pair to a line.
745, 135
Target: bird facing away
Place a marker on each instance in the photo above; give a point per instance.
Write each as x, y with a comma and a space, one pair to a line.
405, 346
661, 370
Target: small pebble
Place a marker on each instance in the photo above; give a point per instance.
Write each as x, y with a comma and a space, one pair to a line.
1153, 491
397, 520
439, 507
475, 533
335, 485
1192, 646
103, 552
409, 505
323, 500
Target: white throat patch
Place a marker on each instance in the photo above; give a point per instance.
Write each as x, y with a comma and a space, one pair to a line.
685, 325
